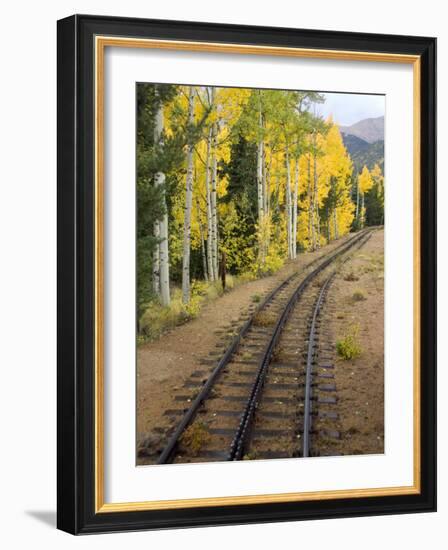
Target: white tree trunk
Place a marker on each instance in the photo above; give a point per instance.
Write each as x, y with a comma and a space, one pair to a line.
310, 205
201, 234
335, 223
267, 205
288, 204
214, 185
209, 210
294, 209
357, 200
156, 260
267, 198
214, 211
318, 227
363, 212
264, 181
315, 207
260, 155
188, 203
161, 256
164, 259
260, 196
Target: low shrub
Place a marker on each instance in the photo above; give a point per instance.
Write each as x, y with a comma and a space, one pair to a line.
195, 437
264, 319
359, 295
157, 319
230, 282
250, 456
351, 276
348, 347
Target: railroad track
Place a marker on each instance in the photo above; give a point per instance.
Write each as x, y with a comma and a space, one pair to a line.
258, 400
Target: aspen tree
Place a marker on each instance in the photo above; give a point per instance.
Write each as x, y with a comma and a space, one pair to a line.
357, 199
267, 194
336, 172
294, 208
209, 209
378, 184
365, 183
260, 155
201, 235
156, 260
309, 195
314, 195
214, 182
335, 223
288, 203
267, 178
161, 275
188, 202
258, 165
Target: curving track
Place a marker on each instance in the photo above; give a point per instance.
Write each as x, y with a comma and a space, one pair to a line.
260, 399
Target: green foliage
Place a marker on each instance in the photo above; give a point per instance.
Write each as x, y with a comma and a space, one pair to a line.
348, 347
268, 265
374, 199
241, 171
237, 239
150, 158
157, 319
230, 130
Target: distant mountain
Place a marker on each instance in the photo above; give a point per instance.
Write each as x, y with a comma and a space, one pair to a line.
363, 153
369, 129
365, 142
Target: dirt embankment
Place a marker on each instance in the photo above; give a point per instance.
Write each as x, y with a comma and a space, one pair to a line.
355, 317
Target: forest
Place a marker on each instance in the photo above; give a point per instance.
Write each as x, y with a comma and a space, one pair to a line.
231, 184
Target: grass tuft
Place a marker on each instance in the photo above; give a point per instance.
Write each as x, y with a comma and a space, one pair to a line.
351, 276
348, 347
359, 295
250, 456
195, 437
264, 319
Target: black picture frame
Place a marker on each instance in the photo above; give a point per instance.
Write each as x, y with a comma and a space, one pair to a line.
76, 301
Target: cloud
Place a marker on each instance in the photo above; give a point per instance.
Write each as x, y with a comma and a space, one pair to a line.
347, 109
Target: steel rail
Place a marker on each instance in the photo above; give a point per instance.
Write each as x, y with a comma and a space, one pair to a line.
242, 434
309, 369
307, 418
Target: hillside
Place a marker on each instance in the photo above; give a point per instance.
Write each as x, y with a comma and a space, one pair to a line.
363, 153
365, 142
369, 129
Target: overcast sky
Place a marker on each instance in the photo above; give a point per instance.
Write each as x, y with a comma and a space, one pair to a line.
350, 108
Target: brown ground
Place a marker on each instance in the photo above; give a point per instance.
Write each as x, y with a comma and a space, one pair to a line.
164, 365
359, 382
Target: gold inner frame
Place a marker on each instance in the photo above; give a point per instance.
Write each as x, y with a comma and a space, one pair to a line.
101, 42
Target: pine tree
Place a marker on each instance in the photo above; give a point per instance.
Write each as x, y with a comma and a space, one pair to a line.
374, 200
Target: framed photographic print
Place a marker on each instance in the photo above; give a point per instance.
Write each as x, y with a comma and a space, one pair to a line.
246, 274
